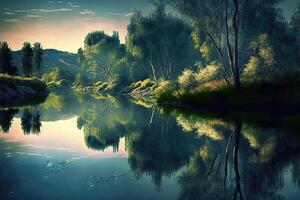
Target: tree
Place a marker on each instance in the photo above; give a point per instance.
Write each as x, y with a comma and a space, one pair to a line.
27, 59
295, 26
223, 31
37, 57
216, 21
161, 42
80, 56
102, 52
295, 21
6, 60
261, 63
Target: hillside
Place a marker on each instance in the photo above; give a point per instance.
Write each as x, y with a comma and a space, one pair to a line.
52, 58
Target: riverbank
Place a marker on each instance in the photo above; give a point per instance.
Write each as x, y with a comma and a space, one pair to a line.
14, 89
281, 95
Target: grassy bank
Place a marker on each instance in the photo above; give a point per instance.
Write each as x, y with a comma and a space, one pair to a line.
14, 81
14, 89
278, 96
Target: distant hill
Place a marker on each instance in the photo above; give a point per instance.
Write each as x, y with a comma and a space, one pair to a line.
52, 58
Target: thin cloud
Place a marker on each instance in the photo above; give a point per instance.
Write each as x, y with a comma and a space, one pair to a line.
51, 10
100, 17
11, 20
9, 13
117, 14
50, 1
45, 10
33, 16
120, 14
87, 12
75, 6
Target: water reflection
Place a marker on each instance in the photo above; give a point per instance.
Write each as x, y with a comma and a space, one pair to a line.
6, 117
208, 158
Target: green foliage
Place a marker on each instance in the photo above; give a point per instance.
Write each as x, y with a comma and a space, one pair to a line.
209, 19
6, 60
27, 59
159, 44
295, 28
261, 64
57, 77
165, 90
187, 79
144, 87
211, 72
253, 95
37, 58
102, 54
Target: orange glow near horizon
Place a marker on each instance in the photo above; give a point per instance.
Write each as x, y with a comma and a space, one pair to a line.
62, 35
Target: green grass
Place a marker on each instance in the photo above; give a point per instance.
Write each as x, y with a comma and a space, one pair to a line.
14, 81
253, 95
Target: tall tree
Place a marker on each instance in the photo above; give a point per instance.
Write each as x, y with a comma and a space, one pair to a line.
27, 59
295, 23
6, 60
80, 56
162, 42
37, 58
102, 52
214, 22
223, 31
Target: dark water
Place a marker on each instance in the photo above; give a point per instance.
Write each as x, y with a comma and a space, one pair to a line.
76, 146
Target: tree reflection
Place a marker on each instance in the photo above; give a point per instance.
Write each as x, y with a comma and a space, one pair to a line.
103, 124
26, 121
30, 121
250, 165
158, 147
6, 117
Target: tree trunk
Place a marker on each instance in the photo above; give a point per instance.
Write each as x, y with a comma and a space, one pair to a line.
235, 25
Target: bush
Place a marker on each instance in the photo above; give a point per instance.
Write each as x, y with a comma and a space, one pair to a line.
165, 91
187, 80
211, 72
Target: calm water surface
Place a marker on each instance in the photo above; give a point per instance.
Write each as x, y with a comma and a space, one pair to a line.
76, 146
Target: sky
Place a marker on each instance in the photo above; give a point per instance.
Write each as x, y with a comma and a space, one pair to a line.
63, 24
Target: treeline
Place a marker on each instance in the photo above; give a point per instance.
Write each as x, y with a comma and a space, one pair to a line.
159, 46
31, 60
213, 41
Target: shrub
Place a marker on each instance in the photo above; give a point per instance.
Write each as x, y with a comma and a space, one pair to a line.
187, 80
165, 90
260, 66
211, 72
